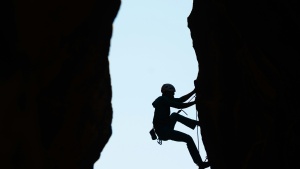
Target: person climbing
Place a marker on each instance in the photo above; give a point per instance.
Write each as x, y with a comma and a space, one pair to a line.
164, 123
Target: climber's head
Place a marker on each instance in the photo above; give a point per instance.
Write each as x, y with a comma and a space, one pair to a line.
168, 90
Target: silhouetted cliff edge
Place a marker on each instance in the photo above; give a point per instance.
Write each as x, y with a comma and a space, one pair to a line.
55, 86
248, 82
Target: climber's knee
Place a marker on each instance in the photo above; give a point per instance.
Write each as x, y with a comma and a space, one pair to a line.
187, 139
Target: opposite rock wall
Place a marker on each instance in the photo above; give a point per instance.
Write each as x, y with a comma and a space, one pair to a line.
55, 86
248, 81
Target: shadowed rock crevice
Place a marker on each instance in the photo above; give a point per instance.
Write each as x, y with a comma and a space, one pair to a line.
247, 91
55, 83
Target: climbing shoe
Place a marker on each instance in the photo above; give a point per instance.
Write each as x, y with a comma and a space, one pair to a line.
203, 165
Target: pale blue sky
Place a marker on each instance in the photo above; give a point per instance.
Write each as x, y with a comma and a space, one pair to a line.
151, 45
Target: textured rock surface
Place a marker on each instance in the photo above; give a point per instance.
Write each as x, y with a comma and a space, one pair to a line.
248, 81
55, 84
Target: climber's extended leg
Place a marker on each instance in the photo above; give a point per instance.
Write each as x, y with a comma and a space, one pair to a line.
182, 137
184, 120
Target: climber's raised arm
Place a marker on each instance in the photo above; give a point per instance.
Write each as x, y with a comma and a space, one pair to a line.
185, 97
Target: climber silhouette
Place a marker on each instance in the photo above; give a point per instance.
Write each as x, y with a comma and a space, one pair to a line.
164, 123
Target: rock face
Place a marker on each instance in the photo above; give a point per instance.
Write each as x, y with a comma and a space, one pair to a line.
55, 85
248, 81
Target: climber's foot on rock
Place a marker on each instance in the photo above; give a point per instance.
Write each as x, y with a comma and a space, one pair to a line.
203, 165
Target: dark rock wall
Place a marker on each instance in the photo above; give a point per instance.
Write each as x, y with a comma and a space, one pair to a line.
55, 85
248, 81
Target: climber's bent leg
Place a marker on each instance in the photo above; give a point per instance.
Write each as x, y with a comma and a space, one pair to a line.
184, 120
182, 137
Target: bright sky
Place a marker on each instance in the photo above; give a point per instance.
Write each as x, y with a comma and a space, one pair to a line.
151, 45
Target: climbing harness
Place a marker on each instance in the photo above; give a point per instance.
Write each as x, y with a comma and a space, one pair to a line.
159, 141
154, 137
